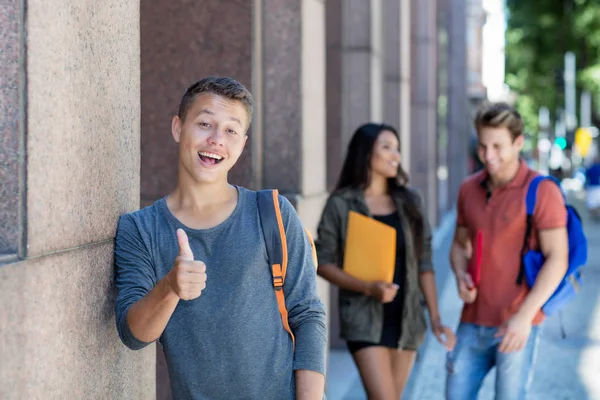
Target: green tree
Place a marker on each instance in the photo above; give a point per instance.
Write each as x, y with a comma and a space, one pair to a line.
538, 35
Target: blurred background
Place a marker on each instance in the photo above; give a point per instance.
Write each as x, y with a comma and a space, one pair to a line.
88, 90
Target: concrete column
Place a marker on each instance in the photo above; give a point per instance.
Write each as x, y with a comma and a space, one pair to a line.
392, 82
459, 120
474, 22
442, 109
11, 128
182, 42
81, 111
405, 84
334, 68
314, 135
396, 89
355, 73
282, 99
293, 108
357, 62
377, 59
424, 102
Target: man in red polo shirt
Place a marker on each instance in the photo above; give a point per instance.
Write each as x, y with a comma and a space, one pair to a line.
500, 321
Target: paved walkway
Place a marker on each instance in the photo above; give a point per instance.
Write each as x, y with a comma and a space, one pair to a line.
568, 364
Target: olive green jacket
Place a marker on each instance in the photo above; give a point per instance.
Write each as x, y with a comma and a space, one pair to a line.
362, 316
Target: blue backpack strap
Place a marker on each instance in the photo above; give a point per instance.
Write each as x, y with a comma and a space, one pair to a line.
531, 198
530, 202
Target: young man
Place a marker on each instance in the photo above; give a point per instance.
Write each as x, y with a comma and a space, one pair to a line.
192, 270
500, 321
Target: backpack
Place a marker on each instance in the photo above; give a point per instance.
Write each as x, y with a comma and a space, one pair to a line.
276, 244
532, 261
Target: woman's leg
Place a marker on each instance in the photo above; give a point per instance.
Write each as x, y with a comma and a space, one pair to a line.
402, 364
375, 366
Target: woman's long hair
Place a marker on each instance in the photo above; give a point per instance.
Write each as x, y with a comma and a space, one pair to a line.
356, 174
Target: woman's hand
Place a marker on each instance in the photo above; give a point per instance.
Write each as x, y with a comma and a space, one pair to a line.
383, 291
444, 335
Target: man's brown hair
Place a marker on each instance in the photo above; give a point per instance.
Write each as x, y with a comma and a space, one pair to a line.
221, 86
499, 115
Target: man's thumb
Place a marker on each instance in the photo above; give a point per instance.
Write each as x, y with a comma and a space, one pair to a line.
184, 245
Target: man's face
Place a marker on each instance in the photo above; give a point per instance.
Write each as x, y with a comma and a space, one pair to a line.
211, 137
498, 151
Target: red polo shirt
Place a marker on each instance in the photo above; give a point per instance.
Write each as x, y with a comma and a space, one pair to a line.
501, 218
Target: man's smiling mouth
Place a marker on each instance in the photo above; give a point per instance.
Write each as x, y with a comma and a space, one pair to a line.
209, 158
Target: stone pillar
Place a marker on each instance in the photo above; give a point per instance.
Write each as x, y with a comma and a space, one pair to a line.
293, 108
334, 68
355, 73
377, 44
442, 108
424, 102
459, 120
396, 88
405, 84
392, 78
182, 42
11, 126
80, 111
474, 22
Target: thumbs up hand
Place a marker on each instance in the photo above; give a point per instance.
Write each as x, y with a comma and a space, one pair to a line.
188, 277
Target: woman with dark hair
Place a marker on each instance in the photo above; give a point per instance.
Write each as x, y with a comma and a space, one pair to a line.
383, 323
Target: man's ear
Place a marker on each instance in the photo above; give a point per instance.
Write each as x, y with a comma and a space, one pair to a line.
245, 140
520, 142
176, 128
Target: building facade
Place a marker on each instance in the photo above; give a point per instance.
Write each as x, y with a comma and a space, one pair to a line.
88, 95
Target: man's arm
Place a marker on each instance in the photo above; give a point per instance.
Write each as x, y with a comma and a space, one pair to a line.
144, 308
134, 275
148, 317
554, 246
306, 313
458, 260
461, 249
550, 219
459, 263
310, 385
553, 243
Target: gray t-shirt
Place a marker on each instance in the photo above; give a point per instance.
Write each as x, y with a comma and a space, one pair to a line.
229, 343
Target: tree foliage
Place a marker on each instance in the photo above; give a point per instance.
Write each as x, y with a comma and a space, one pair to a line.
538, 35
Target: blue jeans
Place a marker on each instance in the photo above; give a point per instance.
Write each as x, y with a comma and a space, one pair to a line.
474, 355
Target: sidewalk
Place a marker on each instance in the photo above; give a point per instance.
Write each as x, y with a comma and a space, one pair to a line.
566, 369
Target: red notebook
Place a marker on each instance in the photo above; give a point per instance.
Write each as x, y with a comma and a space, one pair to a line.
475, 262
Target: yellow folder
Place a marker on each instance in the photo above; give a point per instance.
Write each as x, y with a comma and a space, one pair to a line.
370, 252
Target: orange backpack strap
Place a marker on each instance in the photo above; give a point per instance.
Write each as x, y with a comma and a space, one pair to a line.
276, 244
312, 247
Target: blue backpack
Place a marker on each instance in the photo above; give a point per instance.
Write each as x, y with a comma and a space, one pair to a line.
532, 261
